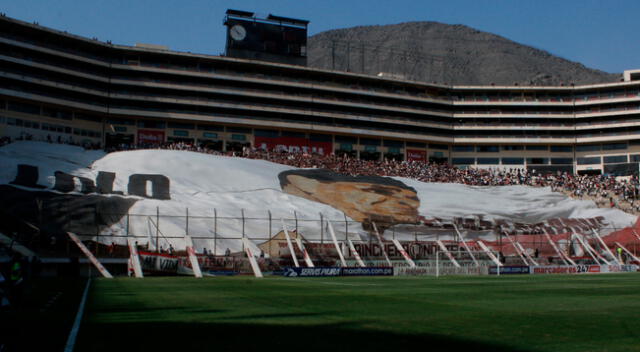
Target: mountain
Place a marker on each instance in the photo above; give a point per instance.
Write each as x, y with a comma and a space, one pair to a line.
446, 54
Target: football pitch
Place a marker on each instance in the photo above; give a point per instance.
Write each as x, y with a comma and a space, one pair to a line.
507, 313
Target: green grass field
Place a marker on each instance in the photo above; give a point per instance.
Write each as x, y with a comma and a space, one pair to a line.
508, 313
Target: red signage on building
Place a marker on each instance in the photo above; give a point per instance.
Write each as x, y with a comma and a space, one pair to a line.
293, 144
150, 137
416, 155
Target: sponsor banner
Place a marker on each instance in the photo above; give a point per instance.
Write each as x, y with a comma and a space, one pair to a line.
150, 137
368, 271
583, 269
337, 271
432, 271
415, 250
507, 270
560, 269
293, 144
577, 269
442, 263
416, 155
158, 263
619, 268
312, 272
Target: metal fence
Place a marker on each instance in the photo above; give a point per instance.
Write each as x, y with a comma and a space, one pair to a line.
218, 234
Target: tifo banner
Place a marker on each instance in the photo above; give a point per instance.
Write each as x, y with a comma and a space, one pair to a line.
293, 144
150, 137
416, 155
367, 271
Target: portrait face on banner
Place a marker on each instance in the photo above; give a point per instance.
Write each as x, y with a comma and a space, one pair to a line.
363, 198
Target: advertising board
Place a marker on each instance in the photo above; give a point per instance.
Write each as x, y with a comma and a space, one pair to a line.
293, 144
368, 271
150, 137
509, 270
416, 155
433, 271
337, 271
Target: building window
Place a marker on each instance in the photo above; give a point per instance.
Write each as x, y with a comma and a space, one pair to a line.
439, 146
369, 141
416, 145
55, 113
462, 161
614, 146
87, 117
346, 147
239, 130
537, 161
635, 158
392, 143
488, 161
561, 161
184, 126
294, 134
512, 161
24, 108
588, 148
151, 124
487, 149
615, 159
238, 137
462, 148
181, 133
537, 147
589, 160
320, 137
266, 133
211, 128
210, 135
513, 147
561, 149
121, 122
346, 139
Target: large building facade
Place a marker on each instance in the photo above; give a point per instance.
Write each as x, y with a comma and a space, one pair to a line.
61, 87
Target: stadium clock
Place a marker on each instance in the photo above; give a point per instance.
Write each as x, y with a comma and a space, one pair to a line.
238, 32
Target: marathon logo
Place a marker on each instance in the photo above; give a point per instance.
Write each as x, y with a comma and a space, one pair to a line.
383, 271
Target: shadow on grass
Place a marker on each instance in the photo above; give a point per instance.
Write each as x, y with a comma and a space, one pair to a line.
41, 321
171, 336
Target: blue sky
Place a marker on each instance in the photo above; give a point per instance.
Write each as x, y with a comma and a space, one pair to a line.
600, 34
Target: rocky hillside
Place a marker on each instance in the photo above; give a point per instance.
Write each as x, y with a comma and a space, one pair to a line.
443, 53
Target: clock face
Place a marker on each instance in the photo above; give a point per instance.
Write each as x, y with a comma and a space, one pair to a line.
238, 32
